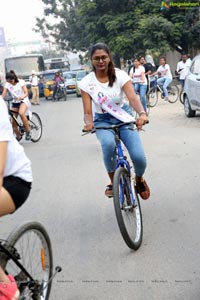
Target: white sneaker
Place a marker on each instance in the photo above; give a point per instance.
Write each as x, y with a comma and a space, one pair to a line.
166, 98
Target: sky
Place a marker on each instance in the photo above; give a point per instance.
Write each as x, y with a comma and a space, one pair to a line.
18, 17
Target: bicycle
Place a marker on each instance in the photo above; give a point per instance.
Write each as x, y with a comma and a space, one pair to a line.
34, 121
125, 197
27, 255
152, 95
61, 92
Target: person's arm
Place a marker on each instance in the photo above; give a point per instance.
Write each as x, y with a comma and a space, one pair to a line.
142, 77
167, 68
155, 73
5, 90
135, 103
62, 79
25, 90
3, 151
87, 109
131, 73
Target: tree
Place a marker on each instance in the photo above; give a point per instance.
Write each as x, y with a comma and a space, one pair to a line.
129, 27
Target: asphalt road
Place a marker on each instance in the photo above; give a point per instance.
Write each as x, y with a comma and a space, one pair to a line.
68, 198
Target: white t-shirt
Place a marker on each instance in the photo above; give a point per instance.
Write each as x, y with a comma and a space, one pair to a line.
17, 163
137, 74
17, 91
34, 80
185, 66
93, 87
163, 68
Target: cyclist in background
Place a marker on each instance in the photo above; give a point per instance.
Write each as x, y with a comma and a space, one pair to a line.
139, 81
15, 186
165, 76
20, 104
57, 79
109, 83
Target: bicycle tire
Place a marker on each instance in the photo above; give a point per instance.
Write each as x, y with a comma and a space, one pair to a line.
152, 97
31, 238
181, 96
65, 94
173, 93
36, 127
127, 213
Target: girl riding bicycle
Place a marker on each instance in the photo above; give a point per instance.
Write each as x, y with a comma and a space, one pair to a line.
105, 87
20, 104
15, 186
165, 76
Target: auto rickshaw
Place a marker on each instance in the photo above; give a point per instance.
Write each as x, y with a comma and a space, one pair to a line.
48, 83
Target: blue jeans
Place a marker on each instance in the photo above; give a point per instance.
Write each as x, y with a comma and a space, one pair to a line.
141, 89
130, 138
164, 82
182, 82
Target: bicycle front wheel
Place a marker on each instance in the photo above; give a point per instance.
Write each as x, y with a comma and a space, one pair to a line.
65, 94
35, 124
128, 214
173, 93
33, 245
152, 97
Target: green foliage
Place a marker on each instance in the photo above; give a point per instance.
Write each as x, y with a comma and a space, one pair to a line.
129, 27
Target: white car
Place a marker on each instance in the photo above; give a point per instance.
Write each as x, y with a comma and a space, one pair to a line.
191, 96
70, 81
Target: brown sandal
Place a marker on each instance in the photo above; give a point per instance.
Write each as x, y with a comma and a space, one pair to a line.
142, 188
109, 191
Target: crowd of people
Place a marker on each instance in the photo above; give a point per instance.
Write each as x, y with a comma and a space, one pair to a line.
139, 70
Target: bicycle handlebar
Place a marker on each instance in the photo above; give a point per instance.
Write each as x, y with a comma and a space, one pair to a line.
109, 127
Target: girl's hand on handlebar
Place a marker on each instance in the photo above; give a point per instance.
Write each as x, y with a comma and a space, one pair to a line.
88, 127
141, 120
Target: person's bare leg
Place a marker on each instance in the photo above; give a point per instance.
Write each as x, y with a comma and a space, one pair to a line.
14, 124
7, 206
22, 113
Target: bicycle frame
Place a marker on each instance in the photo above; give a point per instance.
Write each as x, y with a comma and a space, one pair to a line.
121, 158
158, 86
124, 163
10, 252
14, 256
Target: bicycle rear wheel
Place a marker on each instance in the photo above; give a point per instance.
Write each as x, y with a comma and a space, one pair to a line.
129, 216
35, 124
173, 93
152, 97
35, 254
181, 95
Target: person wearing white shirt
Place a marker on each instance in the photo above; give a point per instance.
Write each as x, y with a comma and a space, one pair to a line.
139, 80
20, 104
165, 76
34, 80
105, 86
183, 68
15, 185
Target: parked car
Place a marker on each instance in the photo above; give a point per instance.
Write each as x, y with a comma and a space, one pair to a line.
70, 80
191, 94
79, 76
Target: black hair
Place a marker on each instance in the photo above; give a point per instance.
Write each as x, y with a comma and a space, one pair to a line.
163, 57
11, 75
111, 68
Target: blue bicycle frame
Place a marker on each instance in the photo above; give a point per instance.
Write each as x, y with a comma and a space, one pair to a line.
123, 162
